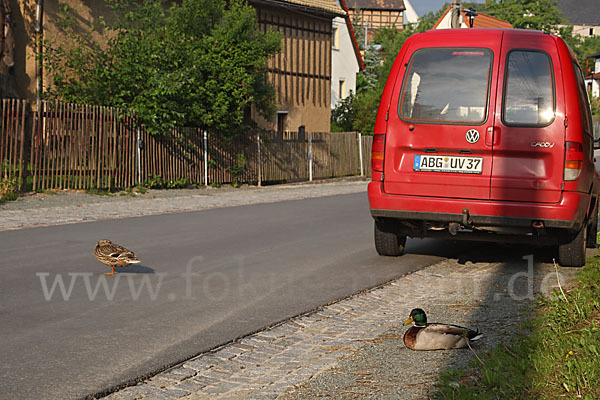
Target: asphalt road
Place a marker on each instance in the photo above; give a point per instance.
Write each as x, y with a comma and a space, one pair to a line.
206, 278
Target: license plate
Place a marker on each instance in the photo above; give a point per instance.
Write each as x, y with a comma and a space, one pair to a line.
455, 164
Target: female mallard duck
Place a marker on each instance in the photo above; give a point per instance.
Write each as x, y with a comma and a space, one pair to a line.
114, 255
424, 336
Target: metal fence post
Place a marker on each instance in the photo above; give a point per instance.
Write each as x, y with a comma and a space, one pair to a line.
310, 157
259, 179
360, 154
139, 156
205, 144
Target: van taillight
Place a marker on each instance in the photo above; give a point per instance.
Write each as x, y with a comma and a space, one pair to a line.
573, 160
377, 153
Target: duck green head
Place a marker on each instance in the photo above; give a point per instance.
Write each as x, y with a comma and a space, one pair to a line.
418, 317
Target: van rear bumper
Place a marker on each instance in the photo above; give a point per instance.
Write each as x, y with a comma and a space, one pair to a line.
567, 214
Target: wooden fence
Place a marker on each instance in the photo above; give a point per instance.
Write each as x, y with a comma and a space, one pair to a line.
68, 146
12, 139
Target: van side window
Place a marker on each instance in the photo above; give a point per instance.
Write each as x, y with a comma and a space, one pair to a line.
586, 116
448, 85
528, 89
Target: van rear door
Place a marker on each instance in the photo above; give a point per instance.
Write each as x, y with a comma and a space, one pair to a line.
530, 126
439, 116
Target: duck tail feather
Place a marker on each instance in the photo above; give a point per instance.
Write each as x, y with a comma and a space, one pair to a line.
475, 335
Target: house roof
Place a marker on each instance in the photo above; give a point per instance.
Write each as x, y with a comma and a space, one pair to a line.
324, 5
481, 20
361, 64
580, 12
385, 5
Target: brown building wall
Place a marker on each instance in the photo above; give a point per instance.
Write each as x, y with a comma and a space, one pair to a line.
86, 12
301, 72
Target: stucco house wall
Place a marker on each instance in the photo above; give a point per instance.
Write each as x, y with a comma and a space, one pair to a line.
344, 63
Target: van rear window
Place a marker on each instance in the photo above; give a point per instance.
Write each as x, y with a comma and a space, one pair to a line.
529, 92
446, 85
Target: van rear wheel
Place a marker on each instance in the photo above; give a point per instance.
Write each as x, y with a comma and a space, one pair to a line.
387, 241
572, 254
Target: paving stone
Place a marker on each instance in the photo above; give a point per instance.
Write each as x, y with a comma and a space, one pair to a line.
200, 364
231, 367
178, 374
160, 396
190, 385
251, 341
176, 393
229, 352
136, 392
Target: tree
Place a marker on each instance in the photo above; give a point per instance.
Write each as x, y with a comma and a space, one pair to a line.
196, 63
543, 15
8, 84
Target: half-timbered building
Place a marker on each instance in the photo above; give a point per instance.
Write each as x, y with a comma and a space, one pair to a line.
301, 72
372, 15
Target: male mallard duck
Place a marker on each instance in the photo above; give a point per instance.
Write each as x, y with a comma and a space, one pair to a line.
424, 336
114, 255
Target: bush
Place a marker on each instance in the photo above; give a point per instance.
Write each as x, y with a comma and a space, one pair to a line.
8, 189
157, 182
595, 103
199, 63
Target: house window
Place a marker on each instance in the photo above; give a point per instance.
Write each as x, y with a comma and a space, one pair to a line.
342, 89
591, 31
282, 121
335, 38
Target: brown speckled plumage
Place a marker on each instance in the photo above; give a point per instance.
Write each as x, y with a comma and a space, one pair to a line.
114, 255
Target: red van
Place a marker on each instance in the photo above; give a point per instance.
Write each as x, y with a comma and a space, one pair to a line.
485, 134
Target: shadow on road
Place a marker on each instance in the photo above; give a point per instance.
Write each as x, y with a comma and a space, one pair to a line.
136, 269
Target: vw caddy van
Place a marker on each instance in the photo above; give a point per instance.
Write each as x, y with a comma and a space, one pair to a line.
485, 134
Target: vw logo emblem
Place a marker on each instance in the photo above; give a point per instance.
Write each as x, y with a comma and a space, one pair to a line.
472, 136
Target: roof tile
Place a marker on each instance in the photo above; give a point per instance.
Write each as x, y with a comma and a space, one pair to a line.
327, 5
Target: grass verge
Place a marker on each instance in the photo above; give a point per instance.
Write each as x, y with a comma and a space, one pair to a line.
557, 355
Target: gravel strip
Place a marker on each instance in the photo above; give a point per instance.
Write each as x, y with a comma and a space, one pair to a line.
52, 208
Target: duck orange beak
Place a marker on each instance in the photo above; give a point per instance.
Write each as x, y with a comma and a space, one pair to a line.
409, 321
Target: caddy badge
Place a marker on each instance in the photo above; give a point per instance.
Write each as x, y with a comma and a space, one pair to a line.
542, 144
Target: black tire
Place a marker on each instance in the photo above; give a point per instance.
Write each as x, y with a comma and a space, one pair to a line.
572, 254
387, 241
